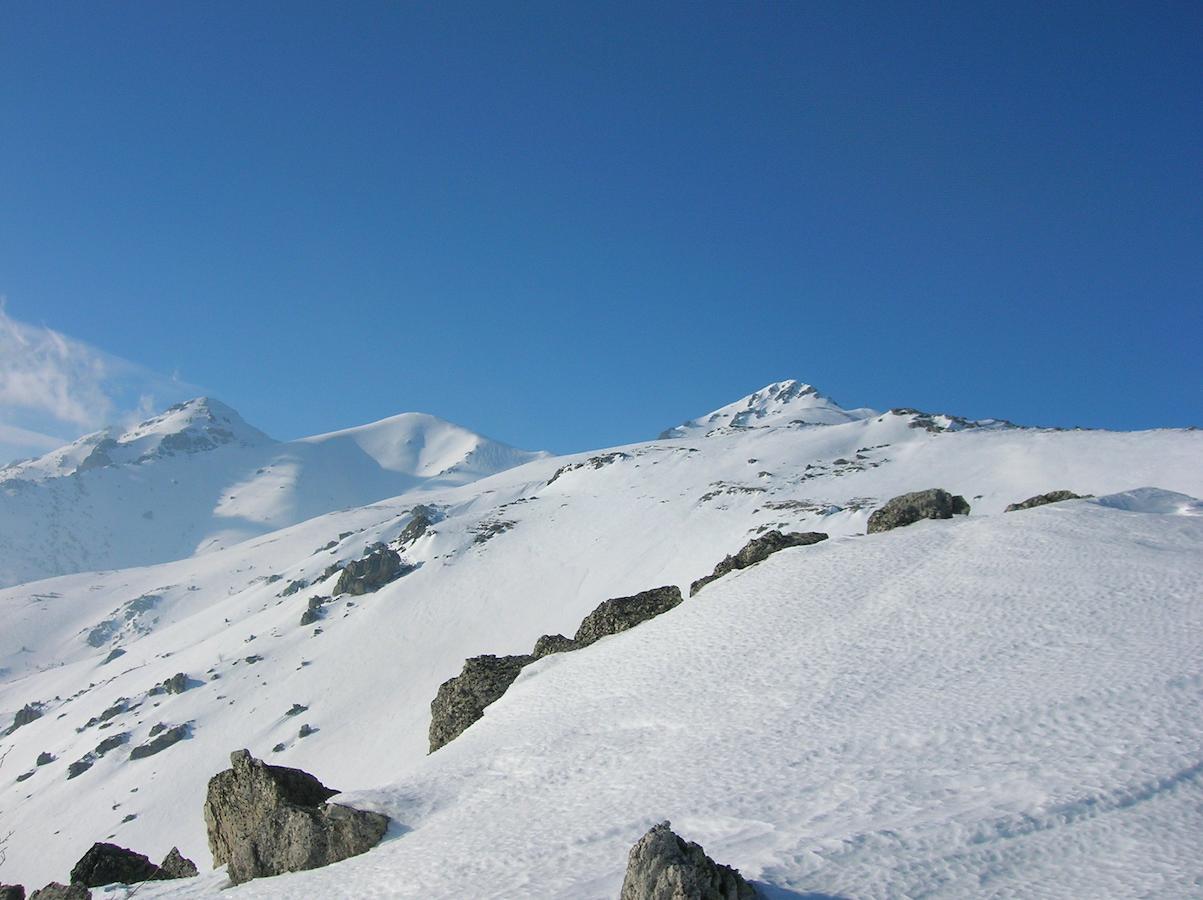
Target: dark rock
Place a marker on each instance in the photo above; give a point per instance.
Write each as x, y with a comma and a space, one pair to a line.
314, 612
157, 728
56, 891
619, 614
552, 643
294, 586
757, 550
907, 509
662, 866
305, 730
423, 518
45, 758
176, 865
461, 700
279, 748
25, 776
113, 654
253, 658
80, 766
1044, 499
375, 570
12, 892
176, 684
266, 820
111, 743
109, 864
296, 710
158, 744
30, 712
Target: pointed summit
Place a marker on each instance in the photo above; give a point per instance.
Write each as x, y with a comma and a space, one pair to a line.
787, 402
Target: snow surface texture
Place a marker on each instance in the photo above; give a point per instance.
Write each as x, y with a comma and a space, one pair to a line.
1000, 705
199, 478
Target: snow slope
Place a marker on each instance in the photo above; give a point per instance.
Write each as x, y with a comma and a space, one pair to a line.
198, 478
781, 403
892, 699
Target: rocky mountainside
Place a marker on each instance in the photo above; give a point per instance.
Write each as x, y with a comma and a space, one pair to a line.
924, 710
198, 478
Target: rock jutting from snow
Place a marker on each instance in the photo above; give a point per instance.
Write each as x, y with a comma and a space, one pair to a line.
157, 744
757, 550
461, 700
906, 509
176, 865
313, 611
56, 891
423, 518
553, 643
109, 864
620, 613
378, 568
266, 820
30, 712
1044, 499
12, 892
662, 866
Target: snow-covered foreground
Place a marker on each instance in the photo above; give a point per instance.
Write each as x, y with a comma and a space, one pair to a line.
1006, 706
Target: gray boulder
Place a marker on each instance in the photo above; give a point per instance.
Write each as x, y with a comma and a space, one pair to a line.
553, 643
621, 613
176, 865
109, 864
906, 509
462, 700
161, 740
265, 820
12, 892
757, 550
1044, 499
378, 568
662, 866
30, 712
313, 611
423, 518
56, 891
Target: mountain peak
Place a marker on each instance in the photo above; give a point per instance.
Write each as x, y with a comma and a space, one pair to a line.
789, 402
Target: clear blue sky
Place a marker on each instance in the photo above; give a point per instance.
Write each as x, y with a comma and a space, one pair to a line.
569, 225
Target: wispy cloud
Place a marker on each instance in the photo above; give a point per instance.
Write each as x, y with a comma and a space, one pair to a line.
53, 388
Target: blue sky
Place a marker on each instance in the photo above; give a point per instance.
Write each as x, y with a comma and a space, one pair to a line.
570, 225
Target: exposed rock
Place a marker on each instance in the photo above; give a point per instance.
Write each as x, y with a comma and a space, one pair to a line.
80, 766
176, 865
56, 891
1044, 499
109, 864
113, 654
621, 613
161, 742
25, 776
313, 612
296, 710
757, 550
662, 866
30, 712
305, 730
111, 743
45, 758
906, 509
294, 586
12, 892
553, 643
375, 570
265, 820
176, 684
461, 700
423, 518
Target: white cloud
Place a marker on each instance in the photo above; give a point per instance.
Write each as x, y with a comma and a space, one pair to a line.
53, 388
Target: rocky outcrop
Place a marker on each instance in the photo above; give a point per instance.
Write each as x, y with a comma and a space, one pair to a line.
906, 509
423, 518
662, 866
12, 892
161, 741
553, 643
30, 712
378, 568
619, 614
265, 820
176, 865
757, 550
462, 700
109, 864
56, 891
313, 611
1045, 499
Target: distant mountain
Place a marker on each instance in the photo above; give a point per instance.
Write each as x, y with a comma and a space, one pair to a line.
781, 403
198, 477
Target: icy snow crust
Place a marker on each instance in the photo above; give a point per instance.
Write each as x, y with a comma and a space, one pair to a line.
1001, 705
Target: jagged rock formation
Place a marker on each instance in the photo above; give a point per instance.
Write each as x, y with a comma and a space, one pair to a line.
757, 550
313, 611
1044, 499
12, 892
109, 864
30, 712
906, 509
553, 643
621, 613
56, 891
265, 820
160, 742
378, 568
176, 865
423, 518
462, 700
662, 866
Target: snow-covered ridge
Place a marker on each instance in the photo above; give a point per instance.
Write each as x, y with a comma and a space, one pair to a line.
781, 403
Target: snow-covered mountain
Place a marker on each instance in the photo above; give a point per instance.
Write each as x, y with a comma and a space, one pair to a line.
198, 478
1005, 704
781, 403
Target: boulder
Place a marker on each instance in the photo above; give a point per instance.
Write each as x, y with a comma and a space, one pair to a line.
621, 613
109, 864
313, 612
176, 684
552, 643
906, 509
757, 550
176, 865
378, 568
30, 712
12, 892
266, 820
462, 700
662, 866
160, 741
44, 758
1044, 499
56, 891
